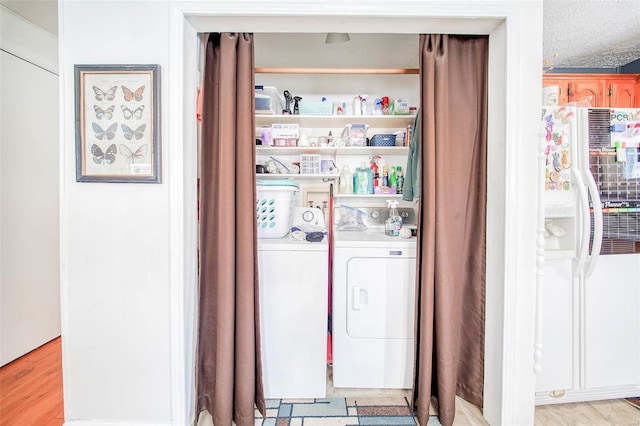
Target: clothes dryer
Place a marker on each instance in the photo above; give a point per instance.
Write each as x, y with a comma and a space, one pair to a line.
373, 305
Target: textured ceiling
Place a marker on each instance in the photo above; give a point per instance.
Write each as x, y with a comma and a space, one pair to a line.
591, 33
577, 33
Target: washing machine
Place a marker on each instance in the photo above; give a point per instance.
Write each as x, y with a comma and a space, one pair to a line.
293, 312
373, 304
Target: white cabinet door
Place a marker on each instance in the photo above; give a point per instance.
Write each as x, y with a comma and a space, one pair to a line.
559, 328
381, 298
612, 322
29, 208
293, 316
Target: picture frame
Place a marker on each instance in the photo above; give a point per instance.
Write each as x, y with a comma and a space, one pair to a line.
117, 123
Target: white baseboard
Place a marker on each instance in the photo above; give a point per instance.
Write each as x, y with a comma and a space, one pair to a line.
582, 395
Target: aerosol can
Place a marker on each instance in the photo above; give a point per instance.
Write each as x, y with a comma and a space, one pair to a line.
393, 224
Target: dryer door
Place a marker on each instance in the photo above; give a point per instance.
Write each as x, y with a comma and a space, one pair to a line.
381, 297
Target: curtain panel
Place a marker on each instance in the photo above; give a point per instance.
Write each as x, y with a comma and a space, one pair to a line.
228, 376
450, 290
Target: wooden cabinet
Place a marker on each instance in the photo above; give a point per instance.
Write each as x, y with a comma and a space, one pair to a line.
623, 93
590, 91
598, 90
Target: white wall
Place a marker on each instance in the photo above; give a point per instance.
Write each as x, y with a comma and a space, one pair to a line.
29, 220
114, 239
128, 250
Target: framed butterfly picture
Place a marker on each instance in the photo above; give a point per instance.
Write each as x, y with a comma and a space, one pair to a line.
117, 123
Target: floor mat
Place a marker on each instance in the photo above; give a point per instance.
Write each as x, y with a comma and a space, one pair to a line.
339, 412
634, 401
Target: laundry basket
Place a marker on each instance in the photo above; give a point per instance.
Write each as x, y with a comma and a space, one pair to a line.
274, 203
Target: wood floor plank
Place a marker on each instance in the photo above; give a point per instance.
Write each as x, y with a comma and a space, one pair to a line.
47, 411
31, 388
27, 402
28, 373
53, 348
617, 411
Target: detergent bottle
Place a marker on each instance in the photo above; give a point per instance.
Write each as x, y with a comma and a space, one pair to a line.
363, 180
393, 224
346, 180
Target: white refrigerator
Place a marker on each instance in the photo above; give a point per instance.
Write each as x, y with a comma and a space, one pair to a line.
591, 284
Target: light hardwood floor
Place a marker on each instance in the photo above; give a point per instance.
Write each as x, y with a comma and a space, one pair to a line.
31, 394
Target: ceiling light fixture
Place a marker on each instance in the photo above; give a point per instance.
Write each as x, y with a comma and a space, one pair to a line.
337, 38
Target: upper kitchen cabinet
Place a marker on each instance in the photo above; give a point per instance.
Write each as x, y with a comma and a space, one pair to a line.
598, 90
623, 93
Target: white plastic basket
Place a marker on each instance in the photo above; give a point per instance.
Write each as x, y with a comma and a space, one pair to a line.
273, 209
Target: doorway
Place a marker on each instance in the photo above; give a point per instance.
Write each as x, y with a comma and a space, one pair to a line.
511, 259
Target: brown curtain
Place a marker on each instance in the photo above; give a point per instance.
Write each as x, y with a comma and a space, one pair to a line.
450, 293
229, 373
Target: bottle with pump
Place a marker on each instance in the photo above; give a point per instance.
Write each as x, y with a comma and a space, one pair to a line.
393, 224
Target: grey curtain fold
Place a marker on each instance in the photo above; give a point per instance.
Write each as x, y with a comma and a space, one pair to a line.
229, 372
450, 290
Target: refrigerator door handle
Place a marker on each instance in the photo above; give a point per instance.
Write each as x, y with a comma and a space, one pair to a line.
581, 255
597, 223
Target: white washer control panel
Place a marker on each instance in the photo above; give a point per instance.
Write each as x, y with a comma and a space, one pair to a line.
309, 216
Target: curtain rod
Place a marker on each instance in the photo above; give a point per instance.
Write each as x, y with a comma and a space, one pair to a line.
264, 70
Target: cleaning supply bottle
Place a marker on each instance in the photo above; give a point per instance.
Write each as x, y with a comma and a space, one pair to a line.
393, 180
399, 180
374, 170
385, 177
393, 224
369, 180
346, 180
361, 181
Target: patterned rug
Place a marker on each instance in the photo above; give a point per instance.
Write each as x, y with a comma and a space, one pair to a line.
348, 411
634, 401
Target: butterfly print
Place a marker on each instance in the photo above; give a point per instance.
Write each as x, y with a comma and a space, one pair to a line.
129, 133
130, 96
101, 133
105, 96
139, 153
107, 157
104, 113
136, 113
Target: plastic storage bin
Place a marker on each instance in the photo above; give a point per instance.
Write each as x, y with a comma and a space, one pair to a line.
315, 107
274, 203
383, 140
268, 100
310, 164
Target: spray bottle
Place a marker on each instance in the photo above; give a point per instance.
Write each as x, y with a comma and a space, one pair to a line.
374, 170
393, 224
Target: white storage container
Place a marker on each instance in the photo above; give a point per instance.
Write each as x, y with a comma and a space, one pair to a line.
309, 164
268, 100
274, 202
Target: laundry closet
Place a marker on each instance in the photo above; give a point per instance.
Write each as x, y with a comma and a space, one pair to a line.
324, 112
